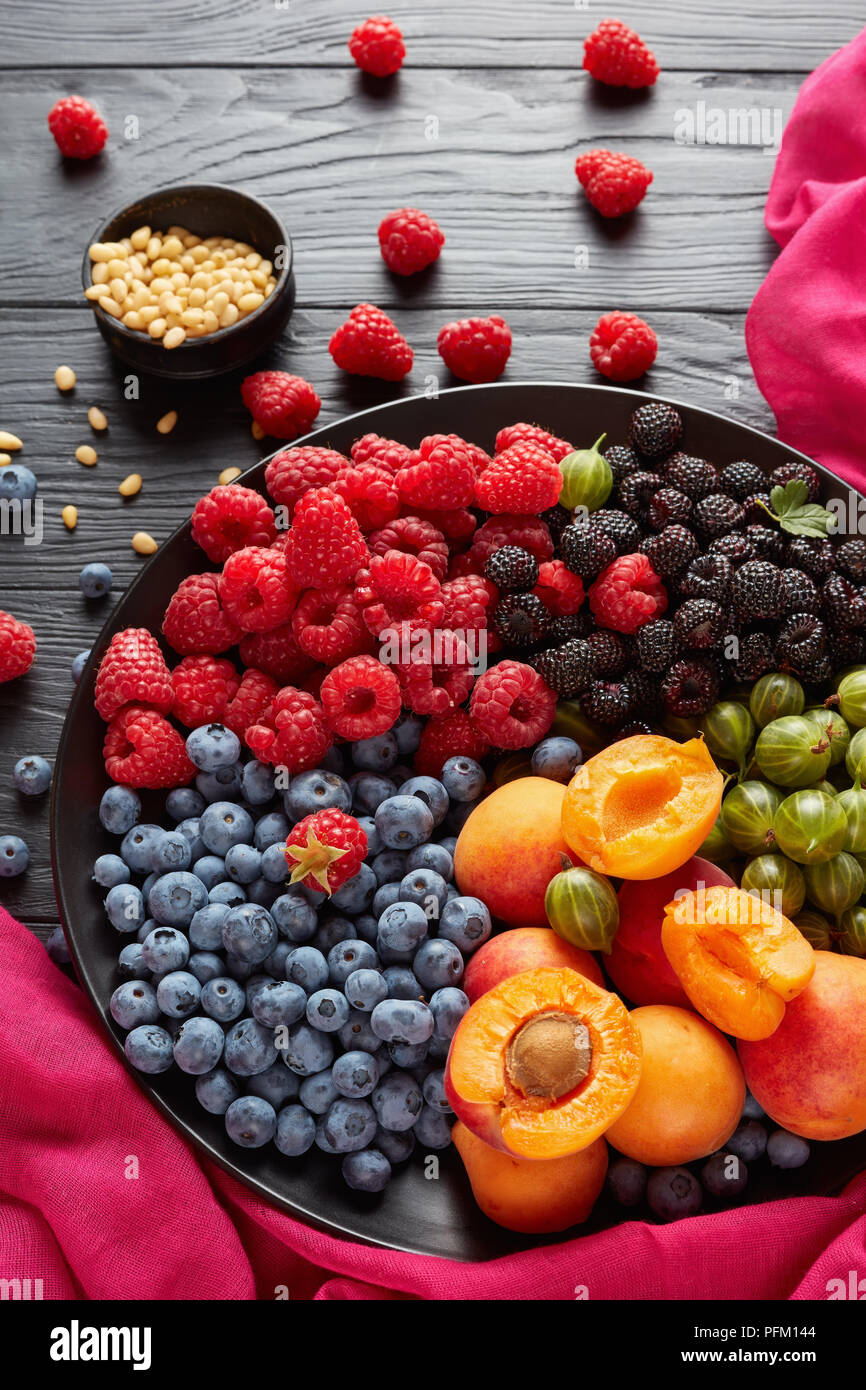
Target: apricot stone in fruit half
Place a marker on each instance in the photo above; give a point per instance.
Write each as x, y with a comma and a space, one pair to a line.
520, 949
543, 1063
642, 806
528, 1195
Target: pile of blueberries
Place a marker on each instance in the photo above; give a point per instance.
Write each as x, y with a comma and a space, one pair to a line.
305, 1020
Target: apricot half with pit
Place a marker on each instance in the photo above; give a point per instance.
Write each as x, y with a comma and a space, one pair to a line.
642, 806
543, 1063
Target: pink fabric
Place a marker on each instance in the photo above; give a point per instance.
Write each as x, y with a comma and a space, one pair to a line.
74, 1126
806, 329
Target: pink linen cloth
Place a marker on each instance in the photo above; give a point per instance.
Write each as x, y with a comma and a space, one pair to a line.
72, 1120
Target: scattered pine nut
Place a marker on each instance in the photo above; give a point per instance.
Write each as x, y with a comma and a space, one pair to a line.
97, 418
228, 475
70, 517
143, 544
64, 378
130, 486
167, 423
256, 430
86, 454
9, 442
4, 459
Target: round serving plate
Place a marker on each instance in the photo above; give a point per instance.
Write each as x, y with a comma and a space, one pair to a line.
431, 1215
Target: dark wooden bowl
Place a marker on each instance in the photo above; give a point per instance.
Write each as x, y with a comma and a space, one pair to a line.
433, 1217
207, 209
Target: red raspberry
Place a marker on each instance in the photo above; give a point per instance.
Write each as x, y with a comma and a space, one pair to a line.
291, 732
616, 55
622, 346
77, 127
457, 524
409, 240
203, 686
614, 183
295, 471
560, 590
371, 494
522, 433
528, 532
283, 405
511, 705
195, 621
387, 453
325, 850
442, 476
468, 601
133, 671
447, 737
627, 594
439, 674
397, 588
525, 478
249, 702
328, 626
276, 652
413, 536
230, 518
377, 46
479, 456
141, 749
325, 546
361, 698
17, 647
371, 344
475, 349
256, 589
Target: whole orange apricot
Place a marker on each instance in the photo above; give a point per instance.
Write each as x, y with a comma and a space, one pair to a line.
532, 1195
510, 848
524, 948
691, 1091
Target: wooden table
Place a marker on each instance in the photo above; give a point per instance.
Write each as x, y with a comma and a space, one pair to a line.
480, 128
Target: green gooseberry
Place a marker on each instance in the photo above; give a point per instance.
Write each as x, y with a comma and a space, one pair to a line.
853, 803
747, 816
587, 479
853, 926
831, 725
716, 847
582, 908
856, 754
790, 751
730, 732
810, 827
775, 880
835, 885
815, 928
852, 696
775, 695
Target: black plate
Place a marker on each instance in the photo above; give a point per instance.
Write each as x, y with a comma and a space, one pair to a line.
430, 1216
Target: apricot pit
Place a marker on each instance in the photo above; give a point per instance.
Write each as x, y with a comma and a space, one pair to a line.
549, 1055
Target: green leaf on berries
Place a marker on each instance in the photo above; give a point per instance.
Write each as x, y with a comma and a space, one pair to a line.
797, 516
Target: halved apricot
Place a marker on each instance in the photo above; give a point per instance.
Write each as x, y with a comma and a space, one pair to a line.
642, 806
543, 1063
739, 960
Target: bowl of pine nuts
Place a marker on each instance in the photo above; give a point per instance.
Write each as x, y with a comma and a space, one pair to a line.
191, 280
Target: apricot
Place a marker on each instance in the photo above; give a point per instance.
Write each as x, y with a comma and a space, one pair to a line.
739, 960
528, 1195
543, 1063
691, 1090
642, 806
810, 1076
520, 949
510, 848
637, 963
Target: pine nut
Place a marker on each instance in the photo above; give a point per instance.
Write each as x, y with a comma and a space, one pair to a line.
99, 274
210, 322
248, 302
140, 238
153, 248
143, 544
4, 459
130, 485
86, 454
167, 423
70, 517
64, 378
172, 247
110, 306
116, 267
132, 318
102, 251
94, 292
148, 313
156, 328
97, 418
197, 298
256, 430
9, 442
229, 316
228, 475
174, 337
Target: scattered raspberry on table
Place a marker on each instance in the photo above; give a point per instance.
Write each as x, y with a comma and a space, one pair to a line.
17, 647
369, 343
476, 349
283, 405
78, 129
377, 46
409, 240
622, 346
613, 183
617, 56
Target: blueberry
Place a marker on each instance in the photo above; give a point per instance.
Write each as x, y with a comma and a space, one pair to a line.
673, 1192
175, 898
137, 846
402, 1021
263, 893
178, 993
249, 932
331, 930
198, 1046
254, 985
397, 1101
751, 1109
463, 778
724, 1175
389, 866
316, 791
557, 758
356, 894
205, 965
94, 581
109, 870
748, 1141
308, 968
124, 906
190, 829
165, 949
426, 888
149, 1049
134, 1003
374, 841
369, 790
396, 1145
318, 1092
407, 731
433, 1090
376, 754
17, 482
626, 1182
295, 918
327, 1010
451, 893
355, 1074
257, 783
365, 988
448, 842
366, 928
348, 1126
223, 999
237, 968
438, 964
205, 929
275, 964
224, 784
32, 776
356, 1035
243, 864
447, 1007
459, 815
402, 927
348, 956
251, 1122
227, 893
183, 803
145, 929
308, 1050
786, 1150
216, 1090
119, 810
402, 983
279, 1003
431, 792
277, 1084
437, 1050
130, 962
366, 1171
466, 922
173, 851
408, 1056
78, 664
224, 824
213, 746
271, 830
431, 856
404, 821
432, 1129
250, 1047
211, 870
147, 885
296, 1131
384, 897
